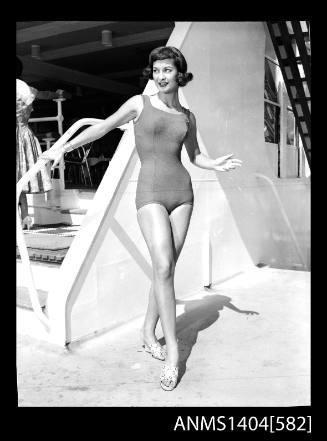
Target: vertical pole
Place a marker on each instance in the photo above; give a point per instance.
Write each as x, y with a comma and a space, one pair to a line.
282, 98
206, 248
60, 130
207, 259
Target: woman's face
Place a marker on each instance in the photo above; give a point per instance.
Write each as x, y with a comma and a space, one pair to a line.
164, 74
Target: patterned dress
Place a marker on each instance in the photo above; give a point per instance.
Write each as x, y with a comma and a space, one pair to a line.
28, 148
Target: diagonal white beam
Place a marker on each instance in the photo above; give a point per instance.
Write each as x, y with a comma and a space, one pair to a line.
130, 246
55, 28
97, 46
51, 71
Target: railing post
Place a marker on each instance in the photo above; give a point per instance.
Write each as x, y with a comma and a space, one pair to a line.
206, 247
61, 166
207, 259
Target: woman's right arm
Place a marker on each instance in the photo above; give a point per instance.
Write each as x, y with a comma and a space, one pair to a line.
128, 111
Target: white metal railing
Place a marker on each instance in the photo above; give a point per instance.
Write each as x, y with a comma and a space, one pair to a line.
59, 118
32, 291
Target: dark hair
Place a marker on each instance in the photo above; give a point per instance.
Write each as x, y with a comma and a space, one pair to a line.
164, 52
19, 67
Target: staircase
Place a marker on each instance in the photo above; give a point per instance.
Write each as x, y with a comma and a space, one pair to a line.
291, 41
45, 263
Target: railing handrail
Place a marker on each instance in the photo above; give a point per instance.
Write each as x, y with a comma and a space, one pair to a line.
40, 163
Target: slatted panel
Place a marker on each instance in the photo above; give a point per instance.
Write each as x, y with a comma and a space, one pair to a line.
291, 43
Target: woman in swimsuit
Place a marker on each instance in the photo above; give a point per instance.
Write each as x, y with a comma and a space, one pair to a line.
164, 195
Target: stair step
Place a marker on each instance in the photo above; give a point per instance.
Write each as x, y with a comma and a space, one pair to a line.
23, 298
299, 59
49, 243
305, 98
289, 61
45, 274
50, 257
292, 81
280, 40
58, 209
82, 211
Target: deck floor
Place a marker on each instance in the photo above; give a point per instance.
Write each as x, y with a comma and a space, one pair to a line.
228, 356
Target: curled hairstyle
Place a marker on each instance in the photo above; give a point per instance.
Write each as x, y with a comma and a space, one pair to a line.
164, 52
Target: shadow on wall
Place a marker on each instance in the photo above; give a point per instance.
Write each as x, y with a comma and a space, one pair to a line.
198, 315
287, 207
272, 219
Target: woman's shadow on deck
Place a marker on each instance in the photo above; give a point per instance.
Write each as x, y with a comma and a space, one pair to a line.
199, 314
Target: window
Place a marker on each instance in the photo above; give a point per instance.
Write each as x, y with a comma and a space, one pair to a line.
271, 123
272, 107
280, 127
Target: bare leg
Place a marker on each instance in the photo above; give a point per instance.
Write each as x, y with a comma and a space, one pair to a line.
164, 236
151, 320
180, 220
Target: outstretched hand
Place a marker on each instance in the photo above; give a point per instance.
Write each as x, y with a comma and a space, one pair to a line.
53, 154
226, 163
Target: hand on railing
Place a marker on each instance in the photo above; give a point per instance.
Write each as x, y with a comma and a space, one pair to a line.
55, 154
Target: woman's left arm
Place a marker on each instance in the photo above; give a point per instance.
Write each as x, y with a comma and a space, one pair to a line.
223, 163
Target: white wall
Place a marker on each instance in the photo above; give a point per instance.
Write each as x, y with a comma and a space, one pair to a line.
272, 215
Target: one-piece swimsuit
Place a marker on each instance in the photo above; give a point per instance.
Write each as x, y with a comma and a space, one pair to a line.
159, 138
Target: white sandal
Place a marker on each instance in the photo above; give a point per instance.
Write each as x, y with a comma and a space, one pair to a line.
156, 350
168, 377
